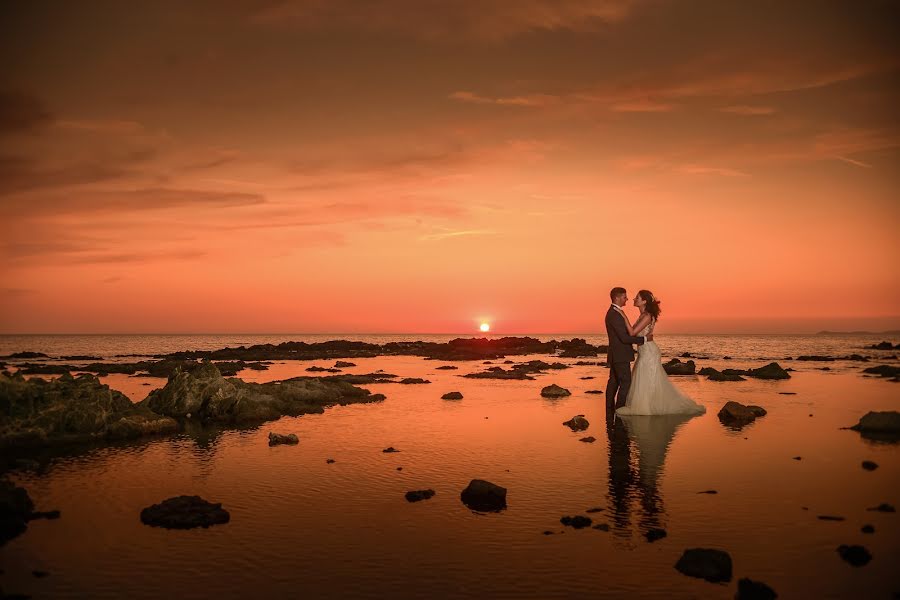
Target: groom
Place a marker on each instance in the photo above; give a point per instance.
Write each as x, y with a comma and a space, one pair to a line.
621, 352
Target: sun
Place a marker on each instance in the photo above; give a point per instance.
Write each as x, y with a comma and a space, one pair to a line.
485, 327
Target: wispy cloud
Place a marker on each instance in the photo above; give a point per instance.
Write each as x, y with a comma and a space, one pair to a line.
455, 234
531, 100
642, 105
708, 170
852, 161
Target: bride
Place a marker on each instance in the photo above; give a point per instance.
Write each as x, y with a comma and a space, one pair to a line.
651, 391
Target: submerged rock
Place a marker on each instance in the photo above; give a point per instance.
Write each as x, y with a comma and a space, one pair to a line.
676, 367
749, 589
417, 495
555, 391
856, 556
276, 439
576, 522
577, 423
184, 512
484, 496
735, 415
705, 563
35, 412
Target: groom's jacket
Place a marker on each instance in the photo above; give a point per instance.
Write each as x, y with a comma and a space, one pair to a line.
620, 343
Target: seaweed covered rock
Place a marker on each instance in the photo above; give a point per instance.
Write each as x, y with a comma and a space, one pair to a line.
37, 412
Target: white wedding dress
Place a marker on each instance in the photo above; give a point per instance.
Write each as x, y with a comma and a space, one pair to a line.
651, 392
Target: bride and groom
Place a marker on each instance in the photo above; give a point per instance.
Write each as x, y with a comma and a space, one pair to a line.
645, 390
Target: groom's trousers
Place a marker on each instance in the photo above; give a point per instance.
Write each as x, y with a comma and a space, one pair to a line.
618, 384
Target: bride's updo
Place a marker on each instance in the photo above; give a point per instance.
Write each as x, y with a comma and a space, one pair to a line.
652, 303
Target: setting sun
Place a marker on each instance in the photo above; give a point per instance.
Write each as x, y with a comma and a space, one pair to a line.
485, 327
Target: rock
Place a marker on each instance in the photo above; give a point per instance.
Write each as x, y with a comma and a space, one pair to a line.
208, 397
276, 439
586, 378
754, 590
726, 358
484, 496
68, 409
715, 375
881, 346
448, 368
676, 367
883, 371
577, 423
602, 527
343, 364
868, 529
499, 373
883, 507
817, 358
857, 556
705, 563
594, 392
770, 371
316, 369
27, 355
15, 510
390, 449
417, 495
329, 461
884, 425
554, 391
830, 518
452, 396
798, 458
708, 492
413, 380
184, 512
654, 534
788, 394
589, 439
737, 415
594, 510
576, 522
868, 465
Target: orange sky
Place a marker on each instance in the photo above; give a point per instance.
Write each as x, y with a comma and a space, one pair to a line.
409, 166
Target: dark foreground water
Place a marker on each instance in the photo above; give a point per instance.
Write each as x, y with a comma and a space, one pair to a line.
303, 528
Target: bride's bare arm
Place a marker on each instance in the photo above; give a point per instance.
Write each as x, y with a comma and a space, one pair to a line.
641, 323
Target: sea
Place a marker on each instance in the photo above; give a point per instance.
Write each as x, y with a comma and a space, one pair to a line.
304, 527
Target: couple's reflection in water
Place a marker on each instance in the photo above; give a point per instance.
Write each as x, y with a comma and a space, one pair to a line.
637, 453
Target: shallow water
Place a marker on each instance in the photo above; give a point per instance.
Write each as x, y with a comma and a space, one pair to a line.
300, 526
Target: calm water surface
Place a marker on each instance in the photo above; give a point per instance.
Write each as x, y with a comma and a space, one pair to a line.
300, 526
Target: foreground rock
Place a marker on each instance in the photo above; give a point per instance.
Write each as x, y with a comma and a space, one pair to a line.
203, 394
35, 412
883, 371
452, 396
184, 512
276, 439
879, 426
857, 556
749, 589
676, 367
577, 423
484, 496
417, 495
705, 563
736, 415
555, 391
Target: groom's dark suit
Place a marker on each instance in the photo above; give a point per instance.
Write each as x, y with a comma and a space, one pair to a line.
619, 357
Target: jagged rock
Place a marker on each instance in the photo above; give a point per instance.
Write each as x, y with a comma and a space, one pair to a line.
555, 391
715, 375
577, 423
856, 556
676, 367
770, 371
343, 364
417, 495
452, 396
576, 522
749, 589
736, 415
184, 512
207, 396
484, 496
276, 439
705, 563
35, 412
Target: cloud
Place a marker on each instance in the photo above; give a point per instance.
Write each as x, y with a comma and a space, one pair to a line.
707, 170
533, 100
461, 20
21, 113
642, 105
746, 110
455, 234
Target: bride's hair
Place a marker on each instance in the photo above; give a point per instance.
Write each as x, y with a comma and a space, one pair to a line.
652, 303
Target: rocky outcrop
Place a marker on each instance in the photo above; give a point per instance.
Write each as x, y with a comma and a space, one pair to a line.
452, 396
203, 394
277, 439
705, 563
735, 415
676, 367
883, 346
554, 391
484, 496
184, 512
879, 426
577, 423
770, 371
35, 412
883, 371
